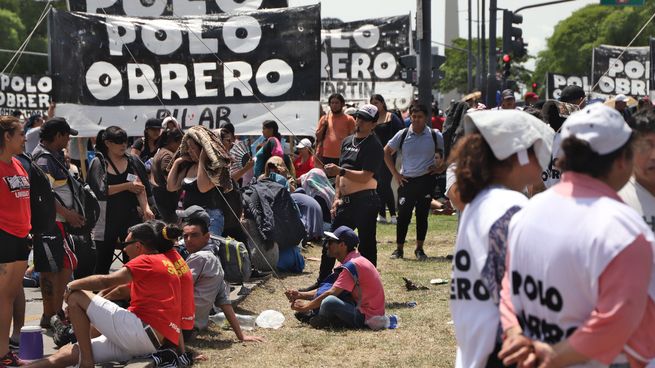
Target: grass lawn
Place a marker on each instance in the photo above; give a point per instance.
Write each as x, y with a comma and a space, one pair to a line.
424, 337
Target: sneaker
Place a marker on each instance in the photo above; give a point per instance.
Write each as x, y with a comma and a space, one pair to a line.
382, 220
311, 287
394, 220
11, 360
420, 255
14, 344
303, 317
166, 358
63, 333
45, 322
397, 254
319, 322
257, 274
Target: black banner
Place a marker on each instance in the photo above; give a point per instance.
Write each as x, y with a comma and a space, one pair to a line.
29, 94
629, 75
361, 58
202, 69
555, 83
175, 8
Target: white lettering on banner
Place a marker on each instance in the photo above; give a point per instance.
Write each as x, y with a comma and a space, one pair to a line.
141, 81
397, 93
629, 78
367, 36
180, 8
272, 78
624, 86
173, 80
241, 35
24, 92
162, 39
247, 117
384, 66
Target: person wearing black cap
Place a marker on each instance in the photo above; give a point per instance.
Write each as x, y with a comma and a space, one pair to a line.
356, 201
53, 255
574, 95
508, 102
146, 147
356, 276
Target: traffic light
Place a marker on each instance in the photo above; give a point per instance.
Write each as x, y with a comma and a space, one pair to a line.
507, 66
513, 36
408, 72
437, 73
535, 86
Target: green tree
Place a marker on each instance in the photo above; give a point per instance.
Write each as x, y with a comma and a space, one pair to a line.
569, 50
18, 19
456, 68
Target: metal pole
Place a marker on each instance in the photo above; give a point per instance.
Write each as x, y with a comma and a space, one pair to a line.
425, 58
483, 50
491, 76
541, 4
478, 69
469, 80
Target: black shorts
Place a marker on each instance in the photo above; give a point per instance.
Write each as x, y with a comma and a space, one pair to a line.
13, 248
51, 254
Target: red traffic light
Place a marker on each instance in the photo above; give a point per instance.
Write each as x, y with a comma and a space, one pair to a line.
507, 58
534, 86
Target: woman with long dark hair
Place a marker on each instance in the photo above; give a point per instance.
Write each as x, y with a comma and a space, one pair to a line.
145, 147
272, 146
168, 143
120, 183
501, 153
387, 126
15, 219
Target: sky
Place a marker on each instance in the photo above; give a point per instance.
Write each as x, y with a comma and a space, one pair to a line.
538, 23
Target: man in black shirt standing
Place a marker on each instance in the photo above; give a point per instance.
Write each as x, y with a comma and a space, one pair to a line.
356, 202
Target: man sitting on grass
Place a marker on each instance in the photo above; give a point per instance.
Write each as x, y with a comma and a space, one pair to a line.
355, 294
209, 286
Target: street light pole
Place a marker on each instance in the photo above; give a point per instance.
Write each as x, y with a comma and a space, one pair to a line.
425, 55
469, 80
491, 76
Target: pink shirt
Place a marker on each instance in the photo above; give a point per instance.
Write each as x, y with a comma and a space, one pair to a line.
624, 313
372, 298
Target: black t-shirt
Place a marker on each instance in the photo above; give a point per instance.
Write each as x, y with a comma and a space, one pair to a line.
361, 153
140, 145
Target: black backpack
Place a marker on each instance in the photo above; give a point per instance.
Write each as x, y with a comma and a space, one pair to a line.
84, 200
42, 198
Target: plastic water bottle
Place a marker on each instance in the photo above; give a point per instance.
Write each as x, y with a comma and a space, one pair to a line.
246, 322
381, 322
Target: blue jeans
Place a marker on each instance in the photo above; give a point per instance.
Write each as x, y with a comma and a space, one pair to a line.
337, 310
216, 221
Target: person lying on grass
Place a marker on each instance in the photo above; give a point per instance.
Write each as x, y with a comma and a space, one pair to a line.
350, 296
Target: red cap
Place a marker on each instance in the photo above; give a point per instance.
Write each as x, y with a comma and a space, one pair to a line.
530, 95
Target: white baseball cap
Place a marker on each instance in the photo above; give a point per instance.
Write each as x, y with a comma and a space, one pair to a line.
621, 98
601, 126
367, 112
304, 143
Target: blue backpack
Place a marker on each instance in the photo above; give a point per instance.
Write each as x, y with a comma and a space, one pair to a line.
332, 278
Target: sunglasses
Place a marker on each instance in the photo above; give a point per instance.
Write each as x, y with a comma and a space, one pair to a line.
125, 244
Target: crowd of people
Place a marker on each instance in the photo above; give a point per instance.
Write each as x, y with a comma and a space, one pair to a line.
555, 202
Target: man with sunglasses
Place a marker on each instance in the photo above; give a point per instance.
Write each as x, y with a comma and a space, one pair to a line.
356, 202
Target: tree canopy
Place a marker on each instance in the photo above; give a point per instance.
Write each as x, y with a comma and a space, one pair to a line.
569, 49
18, 18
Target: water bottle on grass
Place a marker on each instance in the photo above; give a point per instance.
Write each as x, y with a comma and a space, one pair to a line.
246, 322
381, 322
